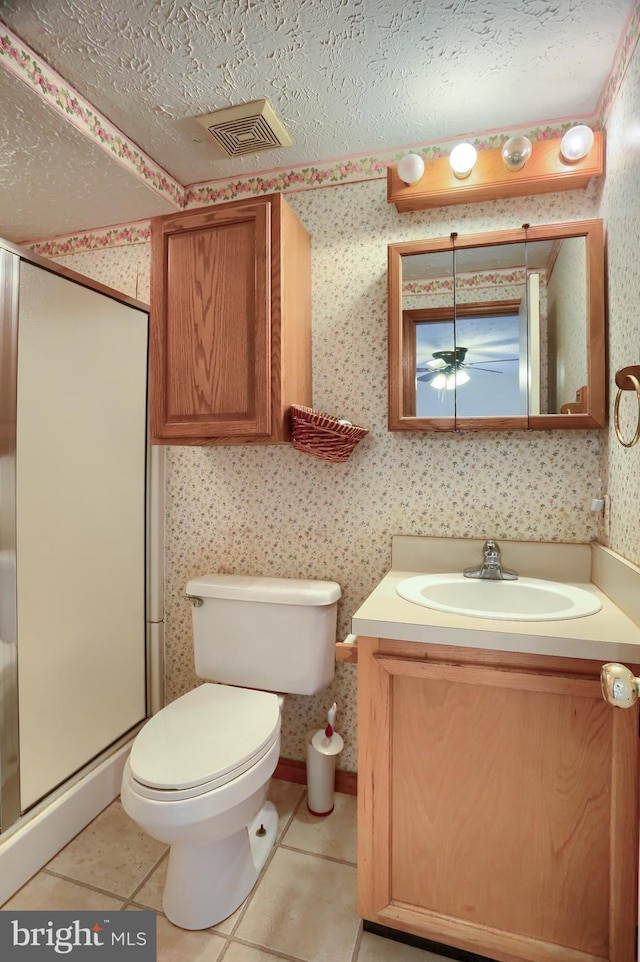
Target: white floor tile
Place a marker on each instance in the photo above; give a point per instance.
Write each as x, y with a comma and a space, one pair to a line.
304, 907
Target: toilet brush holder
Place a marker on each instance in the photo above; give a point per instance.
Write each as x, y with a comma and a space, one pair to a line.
323, 747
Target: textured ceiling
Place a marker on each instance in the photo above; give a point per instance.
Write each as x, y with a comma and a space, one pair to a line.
346, 77
53, 180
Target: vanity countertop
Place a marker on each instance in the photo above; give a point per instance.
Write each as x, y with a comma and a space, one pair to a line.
608, 635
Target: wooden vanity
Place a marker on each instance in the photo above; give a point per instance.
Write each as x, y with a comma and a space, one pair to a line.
497, 791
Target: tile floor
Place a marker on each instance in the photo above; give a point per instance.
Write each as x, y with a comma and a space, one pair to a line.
301, 910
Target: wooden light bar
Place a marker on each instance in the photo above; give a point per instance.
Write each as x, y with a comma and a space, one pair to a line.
490, 179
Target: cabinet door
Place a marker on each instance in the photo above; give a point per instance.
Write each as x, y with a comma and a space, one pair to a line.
210, 316
498, 810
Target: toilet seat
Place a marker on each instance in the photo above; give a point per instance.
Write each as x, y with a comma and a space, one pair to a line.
203, 740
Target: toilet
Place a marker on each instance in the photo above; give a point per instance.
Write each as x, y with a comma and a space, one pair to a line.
198, 772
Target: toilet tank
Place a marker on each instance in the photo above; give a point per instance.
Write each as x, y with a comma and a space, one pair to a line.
272, 633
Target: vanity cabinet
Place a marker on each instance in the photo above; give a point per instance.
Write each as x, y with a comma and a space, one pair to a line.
498, 803
230, 343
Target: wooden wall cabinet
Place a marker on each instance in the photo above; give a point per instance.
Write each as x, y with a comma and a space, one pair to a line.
498, 803
230, 323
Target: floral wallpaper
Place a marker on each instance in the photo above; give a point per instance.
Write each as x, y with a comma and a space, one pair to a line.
567, 298
271, 510
124, 268
620, 209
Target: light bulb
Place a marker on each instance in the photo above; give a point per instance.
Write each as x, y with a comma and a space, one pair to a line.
516, 152
448, 381
410, 168
576, 143
462, 159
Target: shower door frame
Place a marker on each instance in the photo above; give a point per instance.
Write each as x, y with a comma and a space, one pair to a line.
10, 805
9, 733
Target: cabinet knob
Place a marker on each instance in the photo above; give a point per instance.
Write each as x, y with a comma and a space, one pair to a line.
619, 686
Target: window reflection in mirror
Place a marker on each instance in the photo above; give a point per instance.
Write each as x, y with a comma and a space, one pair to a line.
490, 374
500, 330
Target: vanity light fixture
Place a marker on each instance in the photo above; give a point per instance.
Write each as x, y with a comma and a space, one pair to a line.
410, 168
545, 170
463, 158
516, 151
576, 143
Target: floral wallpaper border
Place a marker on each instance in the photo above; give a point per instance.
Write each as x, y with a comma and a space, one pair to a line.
628, 44
342, 171
33, 70
445, 285
25, 64
123, 235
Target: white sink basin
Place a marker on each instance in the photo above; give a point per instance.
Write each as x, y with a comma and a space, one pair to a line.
527, 599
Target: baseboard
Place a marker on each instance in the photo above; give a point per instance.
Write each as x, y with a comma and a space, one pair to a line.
291, 770
33, 841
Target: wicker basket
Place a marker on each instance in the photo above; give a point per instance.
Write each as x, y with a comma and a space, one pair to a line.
323, 436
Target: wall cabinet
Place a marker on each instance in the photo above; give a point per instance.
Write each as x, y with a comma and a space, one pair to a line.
498, 803
498, 331
230, 323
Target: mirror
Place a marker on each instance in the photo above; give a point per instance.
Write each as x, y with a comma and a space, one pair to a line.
498, 331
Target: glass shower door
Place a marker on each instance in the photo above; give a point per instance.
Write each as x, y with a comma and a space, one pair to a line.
80, 521
73, 525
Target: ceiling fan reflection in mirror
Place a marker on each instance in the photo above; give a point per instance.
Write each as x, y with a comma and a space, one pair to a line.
449, 370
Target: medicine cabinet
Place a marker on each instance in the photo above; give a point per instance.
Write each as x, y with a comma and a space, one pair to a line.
498, 331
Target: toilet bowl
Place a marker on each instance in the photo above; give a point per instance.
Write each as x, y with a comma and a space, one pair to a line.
206, 797
198, 772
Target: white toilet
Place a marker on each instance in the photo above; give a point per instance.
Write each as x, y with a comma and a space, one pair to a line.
198, 772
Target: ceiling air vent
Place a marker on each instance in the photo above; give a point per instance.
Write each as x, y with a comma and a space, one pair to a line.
246, 128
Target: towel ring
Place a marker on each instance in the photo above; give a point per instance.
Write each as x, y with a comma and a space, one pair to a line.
616, 413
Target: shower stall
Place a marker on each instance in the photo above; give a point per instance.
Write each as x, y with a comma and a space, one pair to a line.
80, 553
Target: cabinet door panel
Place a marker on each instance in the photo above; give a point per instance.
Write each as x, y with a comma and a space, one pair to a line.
528, 767
497, 809
212, 320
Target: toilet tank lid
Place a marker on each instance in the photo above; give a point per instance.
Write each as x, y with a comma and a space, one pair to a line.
281, 591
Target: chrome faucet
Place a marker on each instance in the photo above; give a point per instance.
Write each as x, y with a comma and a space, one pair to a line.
491, 568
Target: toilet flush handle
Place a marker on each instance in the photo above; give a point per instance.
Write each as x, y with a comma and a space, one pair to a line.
195, 601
